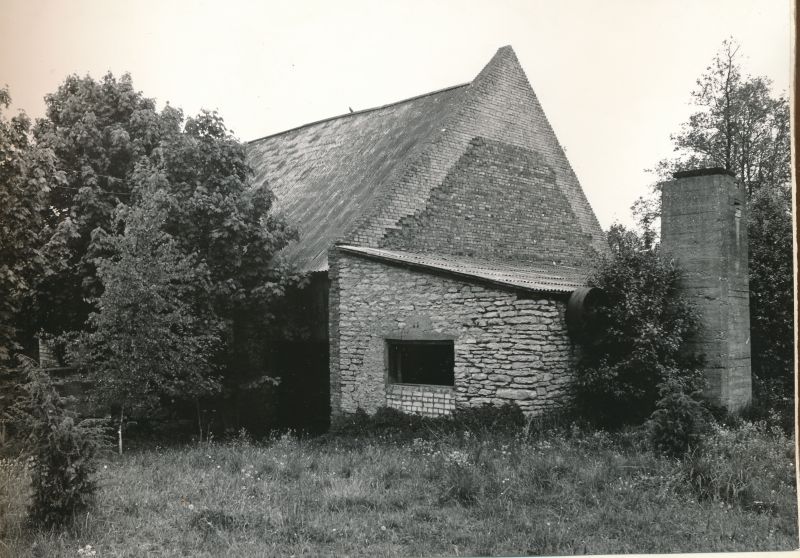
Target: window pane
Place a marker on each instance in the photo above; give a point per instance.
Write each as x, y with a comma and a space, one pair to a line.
421, 362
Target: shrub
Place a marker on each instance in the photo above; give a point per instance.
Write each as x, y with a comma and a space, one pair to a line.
679, 421
642, 333
489, 418
390, 419
63, 450
387, 421
773, 402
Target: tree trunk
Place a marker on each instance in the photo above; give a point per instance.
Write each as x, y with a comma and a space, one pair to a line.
199, 421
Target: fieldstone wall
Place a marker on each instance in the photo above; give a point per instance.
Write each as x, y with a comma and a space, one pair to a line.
509, 346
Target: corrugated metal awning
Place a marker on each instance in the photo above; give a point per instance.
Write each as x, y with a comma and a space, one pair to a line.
530, 277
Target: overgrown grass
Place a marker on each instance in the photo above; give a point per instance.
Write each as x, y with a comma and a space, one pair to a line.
437, 491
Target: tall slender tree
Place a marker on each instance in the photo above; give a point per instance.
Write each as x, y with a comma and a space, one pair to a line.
151, 338
742, 127
738, 125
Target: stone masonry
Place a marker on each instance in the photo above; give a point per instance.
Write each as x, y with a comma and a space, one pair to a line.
509, 346
499, 106
470, 213
472, 174
704, 226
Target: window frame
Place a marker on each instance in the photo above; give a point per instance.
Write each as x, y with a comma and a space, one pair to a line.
393, 360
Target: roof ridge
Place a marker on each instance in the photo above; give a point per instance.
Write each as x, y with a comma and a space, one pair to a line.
362, 111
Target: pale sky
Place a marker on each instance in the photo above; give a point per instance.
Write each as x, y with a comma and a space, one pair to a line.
613, 76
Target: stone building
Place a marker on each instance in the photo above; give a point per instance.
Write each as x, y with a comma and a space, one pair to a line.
445, 235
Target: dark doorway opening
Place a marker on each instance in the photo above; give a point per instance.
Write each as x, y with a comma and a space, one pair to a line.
304, 389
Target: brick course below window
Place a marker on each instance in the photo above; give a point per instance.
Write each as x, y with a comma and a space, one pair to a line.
421, 399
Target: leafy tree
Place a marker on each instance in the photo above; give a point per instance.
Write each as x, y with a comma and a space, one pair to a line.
642, 344
217, 216
27, 171
151, 337
771, 301
742, 128
115, 148
738, 126
97, 130
200, 245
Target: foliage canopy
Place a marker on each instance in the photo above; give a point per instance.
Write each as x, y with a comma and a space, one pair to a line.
642, 344
27, 171
150, 337
140, 237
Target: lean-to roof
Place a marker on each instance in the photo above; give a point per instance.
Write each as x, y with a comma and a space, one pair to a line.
529, 277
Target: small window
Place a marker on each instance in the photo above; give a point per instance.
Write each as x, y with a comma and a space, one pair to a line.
421, 362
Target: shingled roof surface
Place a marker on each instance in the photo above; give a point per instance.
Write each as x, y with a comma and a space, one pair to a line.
359, 178
324, 174
536, 278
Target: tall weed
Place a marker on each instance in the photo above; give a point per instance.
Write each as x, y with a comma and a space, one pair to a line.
750, 465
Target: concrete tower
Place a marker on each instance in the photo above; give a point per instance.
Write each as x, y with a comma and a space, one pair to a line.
704, 226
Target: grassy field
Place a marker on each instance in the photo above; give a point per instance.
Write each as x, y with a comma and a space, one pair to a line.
426, 493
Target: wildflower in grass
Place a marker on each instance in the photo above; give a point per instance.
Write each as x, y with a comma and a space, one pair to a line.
87, 551
458, 457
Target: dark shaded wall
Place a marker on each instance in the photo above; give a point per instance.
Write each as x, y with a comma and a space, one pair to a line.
300, 359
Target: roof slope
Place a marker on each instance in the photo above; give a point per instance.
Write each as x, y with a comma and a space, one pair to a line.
529, 277
324, 174
500, 106
363, 178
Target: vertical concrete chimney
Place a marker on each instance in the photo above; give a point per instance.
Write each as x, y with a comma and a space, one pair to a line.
703, 225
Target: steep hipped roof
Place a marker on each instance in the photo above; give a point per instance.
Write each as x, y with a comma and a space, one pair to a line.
324, 174
355, 178
539, 278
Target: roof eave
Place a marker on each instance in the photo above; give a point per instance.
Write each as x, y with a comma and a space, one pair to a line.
565, 290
